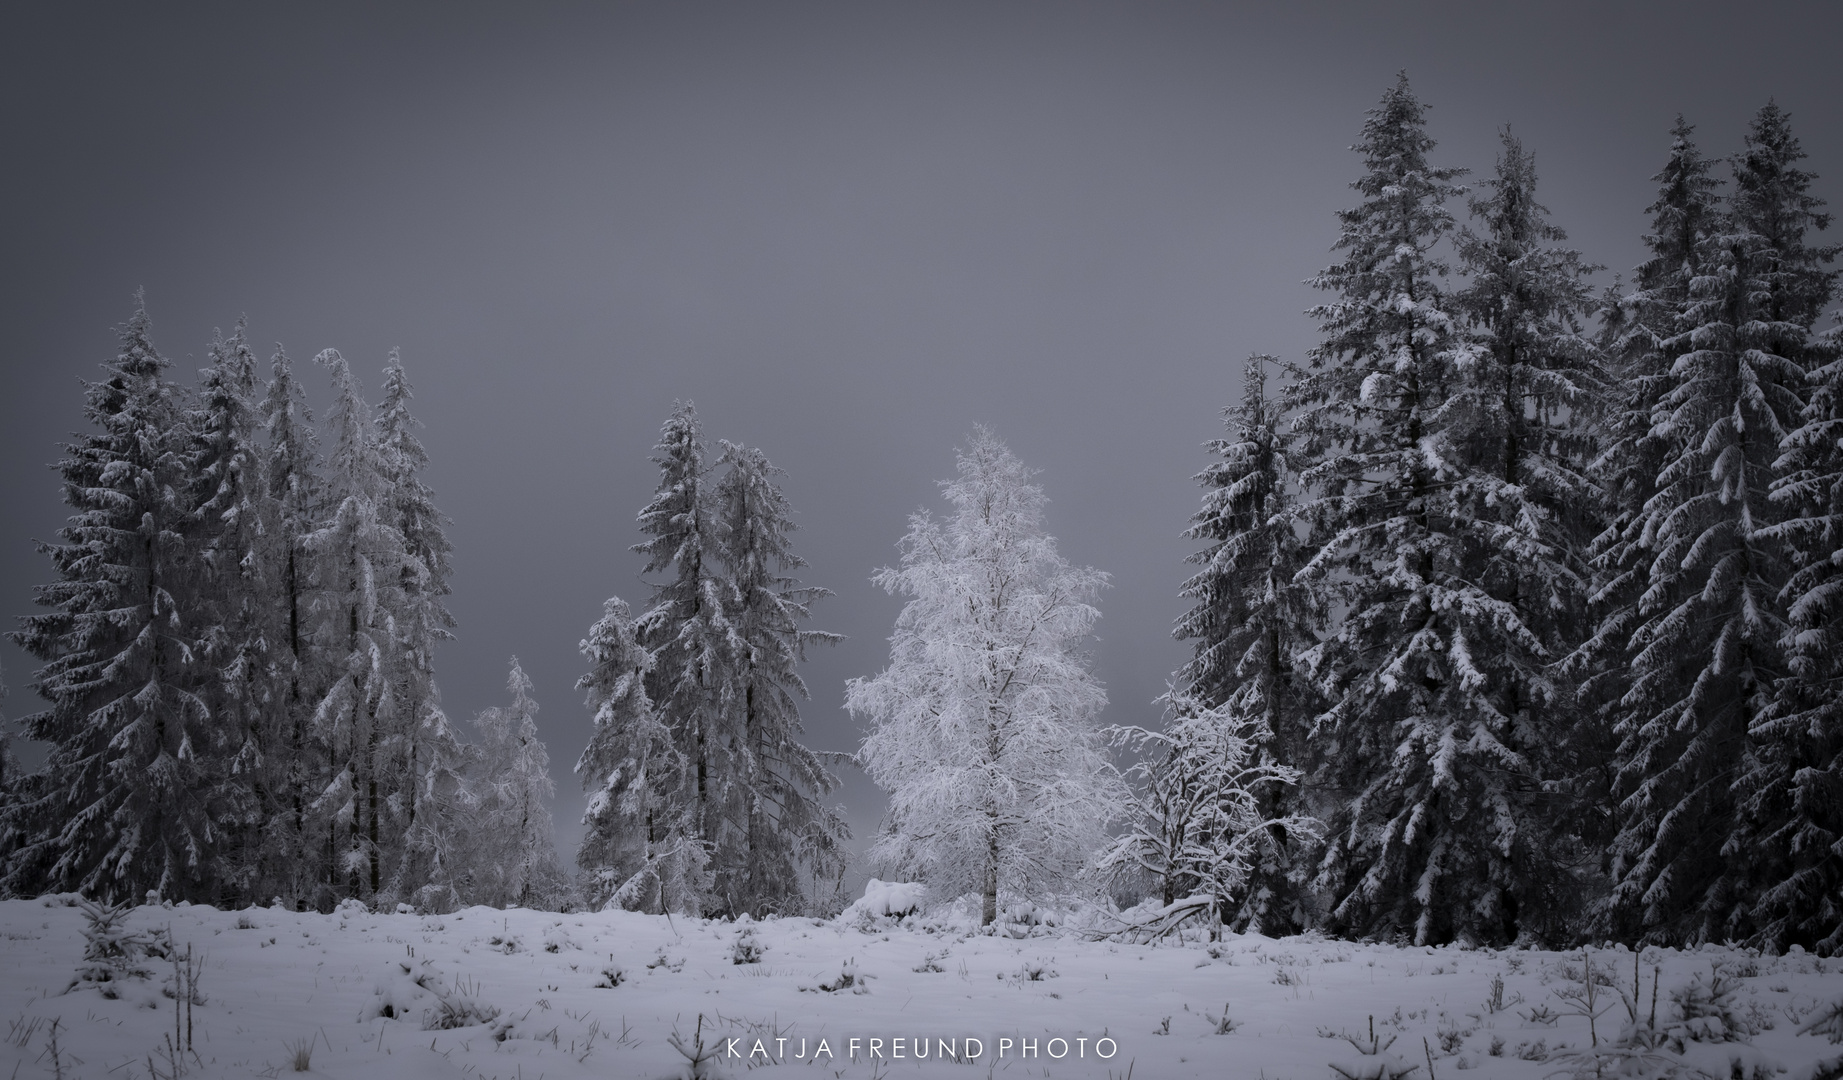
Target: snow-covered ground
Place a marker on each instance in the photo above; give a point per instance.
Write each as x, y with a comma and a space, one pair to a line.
540, 995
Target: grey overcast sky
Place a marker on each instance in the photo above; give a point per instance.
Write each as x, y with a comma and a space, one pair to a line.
848, 231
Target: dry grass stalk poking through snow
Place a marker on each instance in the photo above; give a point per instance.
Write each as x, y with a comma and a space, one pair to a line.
301, 1054
1373, 1061
700, 1057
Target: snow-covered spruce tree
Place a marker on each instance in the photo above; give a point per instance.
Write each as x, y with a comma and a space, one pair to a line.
11, 788
293, 856
640, 847
1706, 647
1638, 332
1803, 783
982, 728
1202, 814
687, 631
1248, 621
439, 839
1426, 745
226, 487
421, 620
9, 765
133, 797
359, 570
1521, 506
1789, 833
779, 780
515, 847
1360, 414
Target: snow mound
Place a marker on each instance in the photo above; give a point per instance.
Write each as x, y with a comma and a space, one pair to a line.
892, 898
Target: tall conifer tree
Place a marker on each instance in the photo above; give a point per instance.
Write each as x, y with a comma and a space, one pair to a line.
9, 768
133, 793
1245, 619
1417, 746
779, 779
294, 857
1789, 833
12, 790
687, 630
360, 567
1520, 507
421, 619
1249, 621
1797, 814
1638, 332
226, 488
1708, 647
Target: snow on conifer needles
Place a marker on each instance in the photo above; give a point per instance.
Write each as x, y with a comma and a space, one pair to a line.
1510, 593
703, 799
1506, 627
239, 663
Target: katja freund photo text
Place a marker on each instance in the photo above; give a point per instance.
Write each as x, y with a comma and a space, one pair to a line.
885, 1048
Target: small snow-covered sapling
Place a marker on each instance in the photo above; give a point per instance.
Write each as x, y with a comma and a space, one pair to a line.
747, 949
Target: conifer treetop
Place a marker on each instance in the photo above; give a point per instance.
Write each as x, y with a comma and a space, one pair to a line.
671, 518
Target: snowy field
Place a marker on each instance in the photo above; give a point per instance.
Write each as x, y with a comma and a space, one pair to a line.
532, 995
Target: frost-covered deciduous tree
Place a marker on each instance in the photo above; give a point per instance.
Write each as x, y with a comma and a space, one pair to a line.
133, 797
982, 728
1249, 621
1201, 813
1706, 648
778, 780
514, 855
640, 846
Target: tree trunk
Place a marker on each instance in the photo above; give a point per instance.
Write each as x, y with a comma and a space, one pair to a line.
989, 911
372, 827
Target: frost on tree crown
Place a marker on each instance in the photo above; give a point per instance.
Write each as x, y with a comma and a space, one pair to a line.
982, 726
